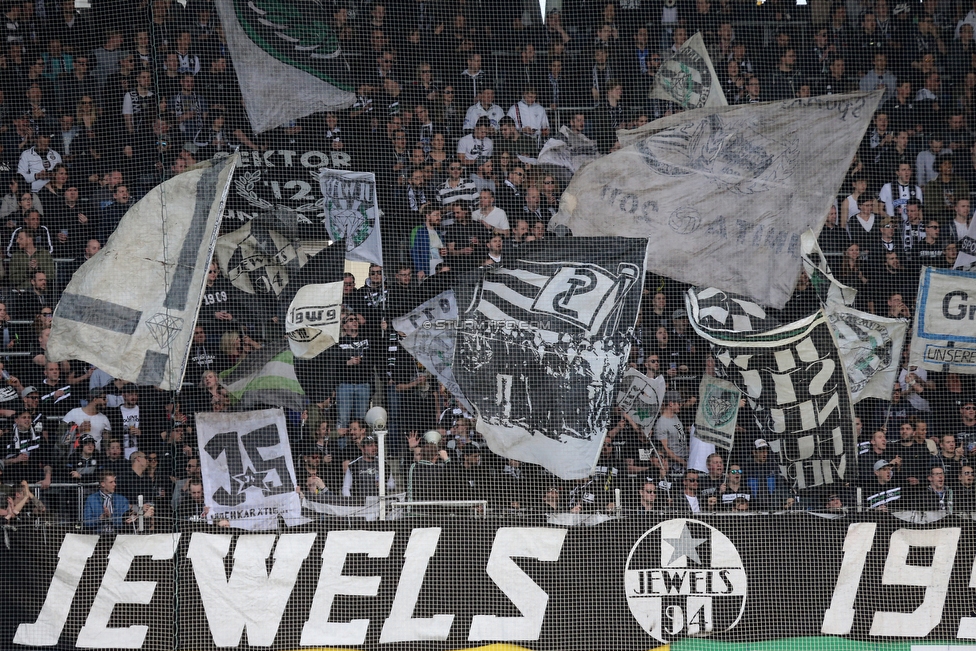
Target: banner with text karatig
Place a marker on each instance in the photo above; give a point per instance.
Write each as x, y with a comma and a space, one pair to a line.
715, 186
247, 468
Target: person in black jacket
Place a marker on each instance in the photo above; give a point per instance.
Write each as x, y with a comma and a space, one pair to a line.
352, 366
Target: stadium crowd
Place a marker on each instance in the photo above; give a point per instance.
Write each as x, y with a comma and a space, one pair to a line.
453, 102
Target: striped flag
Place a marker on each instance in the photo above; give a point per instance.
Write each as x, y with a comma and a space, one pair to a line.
265, 377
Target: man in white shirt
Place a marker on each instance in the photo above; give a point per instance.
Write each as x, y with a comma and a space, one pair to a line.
485, 108
90, 418
37, 163
476, 146
896, 194
530, 118
490, 215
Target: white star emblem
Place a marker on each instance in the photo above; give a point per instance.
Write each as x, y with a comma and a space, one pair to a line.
684, 545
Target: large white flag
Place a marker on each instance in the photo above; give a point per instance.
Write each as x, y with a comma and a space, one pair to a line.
688, 79
944, 335
247, 468
130, 309
286, 57
714, 187
352, 213
870, 348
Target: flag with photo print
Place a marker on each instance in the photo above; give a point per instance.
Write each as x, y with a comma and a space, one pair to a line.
542, 341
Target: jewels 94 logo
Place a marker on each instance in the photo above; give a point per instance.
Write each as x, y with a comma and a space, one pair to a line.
685, 578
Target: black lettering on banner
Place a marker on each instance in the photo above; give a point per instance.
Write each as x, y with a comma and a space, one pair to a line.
957, 311
255, 469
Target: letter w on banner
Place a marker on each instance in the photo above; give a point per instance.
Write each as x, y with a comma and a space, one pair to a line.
542, 341
715, 186
248, 473
794, 382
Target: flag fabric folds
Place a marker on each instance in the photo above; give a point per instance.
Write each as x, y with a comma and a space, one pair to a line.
718, 411
130, 309
542, 340
312, 322
286, 57
870, 347
265, 377
640, 397
352, 213
688, 79
794, 383
430, 334
713, 187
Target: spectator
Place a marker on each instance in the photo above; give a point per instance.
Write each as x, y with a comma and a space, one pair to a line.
38, 162
884, 494
688, 501
108, 512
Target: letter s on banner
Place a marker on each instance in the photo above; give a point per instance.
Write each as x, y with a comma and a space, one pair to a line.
251, 597
531, 600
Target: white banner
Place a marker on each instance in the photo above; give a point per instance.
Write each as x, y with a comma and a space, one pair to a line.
870, 348
352, 213
312, 322
715, 186
130, 309
640, 398
944, 336
248, 473
688, 79
284, 75
430, 335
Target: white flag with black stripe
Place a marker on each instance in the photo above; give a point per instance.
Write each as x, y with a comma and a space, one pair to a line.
130, 309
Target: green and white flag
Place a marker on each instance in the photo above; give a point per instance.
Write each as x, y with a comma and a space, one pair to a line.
718, 412
287, 59
870, 347
265, 377
688, 79
352, 213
